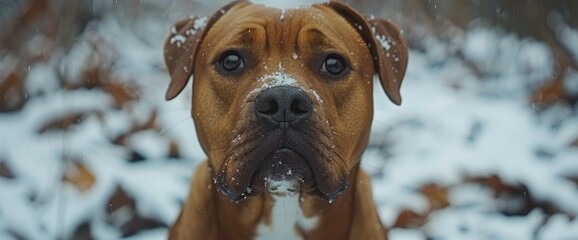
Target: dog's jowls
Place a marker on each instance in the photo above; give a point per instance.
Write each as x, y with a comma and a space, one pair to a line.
282, 104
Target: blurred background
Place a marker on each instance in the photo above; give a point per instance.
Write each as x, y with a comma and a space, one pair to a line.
484, 146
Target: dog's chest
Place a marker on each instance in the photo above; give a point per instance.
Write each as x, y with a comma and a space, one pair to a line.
286, 221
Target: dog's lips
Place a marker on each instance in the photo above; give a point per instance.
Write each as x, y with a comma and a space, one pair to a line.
282, 171
283, 156
283, 166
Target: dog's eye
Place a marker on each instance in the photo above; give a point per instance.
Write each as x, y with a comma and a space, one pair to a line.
334, 65
231, 62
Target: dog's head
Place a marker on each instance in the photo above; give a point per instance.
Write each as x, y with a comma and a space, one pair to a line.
284, 96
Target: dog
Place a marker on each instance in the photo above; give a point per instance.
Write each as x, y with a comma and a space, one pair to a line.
282, 104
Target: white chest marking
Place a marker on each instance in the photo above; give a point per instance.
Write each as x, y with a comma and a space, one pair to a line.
286, 218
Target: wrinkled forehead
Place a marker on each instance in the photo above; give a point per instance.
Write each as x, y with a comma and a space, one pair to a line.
305, 31
245, 22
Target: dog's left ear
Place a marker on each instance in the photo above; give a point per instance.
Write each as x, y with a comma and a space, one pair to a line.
387, 46
181, 46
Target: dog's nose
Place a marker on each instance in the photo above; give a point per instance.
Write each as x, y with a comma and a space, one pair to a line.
283, 104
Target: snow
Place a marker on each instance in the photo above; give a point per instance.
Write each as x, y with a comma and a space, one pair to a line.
454, 124
383, 41
507, 58
284, 4
559, 227
278, 78
178, 39
282, 17
200, 23
317, 97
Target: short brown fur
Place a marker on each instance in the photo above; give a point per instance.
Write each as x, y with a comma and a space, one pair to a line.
223, 110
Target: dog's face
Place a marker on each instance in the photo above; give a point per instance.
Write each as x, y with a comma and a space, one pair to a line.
283, 98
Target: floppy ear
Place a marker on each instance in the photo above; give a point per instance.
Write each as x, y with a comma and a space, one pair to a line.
181, 46
384, 40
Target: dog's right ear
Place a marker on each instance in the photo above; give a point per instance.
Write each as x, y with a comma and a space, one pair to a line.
181, 46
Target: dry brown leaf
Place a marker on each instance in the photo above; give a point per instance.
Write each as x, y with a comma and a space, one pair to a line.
92, 77
119, 199
12, 92
518, 193
121, 212
79, 176
97, 73
121, 140
5, 170
140, 223
63, 123
35, 17
174, 149
437, 196
83, 231
552, 92
149, 124
495, 183
121, 93
409, 219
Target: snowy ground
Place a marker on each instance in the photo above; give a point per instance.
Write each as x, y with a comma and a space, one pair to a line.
464, 157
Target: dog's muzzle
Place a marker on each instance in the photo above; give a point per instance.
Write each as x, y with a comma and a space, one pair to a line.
290, 146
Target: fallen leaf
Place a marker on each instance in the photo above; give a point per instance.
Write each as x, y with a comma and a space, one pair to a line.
140, 223
516, 193
150, 124
5, 170
63, 122
136, 157
437, 196
121, 93
409, 219
552, 92
121, 212
79, 176
119, 199
83, 232
174, 149
12, 93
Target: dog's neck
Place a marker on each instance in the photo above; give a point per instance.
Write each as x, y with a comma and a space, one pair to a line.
286, 215
211, 215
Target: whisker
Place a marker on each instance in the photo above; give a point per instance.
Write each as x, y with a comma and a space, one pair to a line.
164, 132
236, 150
249, 138
380, 122
174, 110
332, 148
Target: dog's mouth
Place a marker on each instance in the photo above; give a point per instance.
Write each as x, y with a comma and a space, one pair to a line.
281, 162
283, 171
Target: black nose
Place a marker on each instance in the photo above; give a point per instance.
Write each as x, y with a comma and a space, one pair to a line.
283, 104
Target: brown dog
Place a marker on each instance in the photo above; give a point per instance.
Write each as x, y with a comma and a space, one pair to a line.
282, 105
